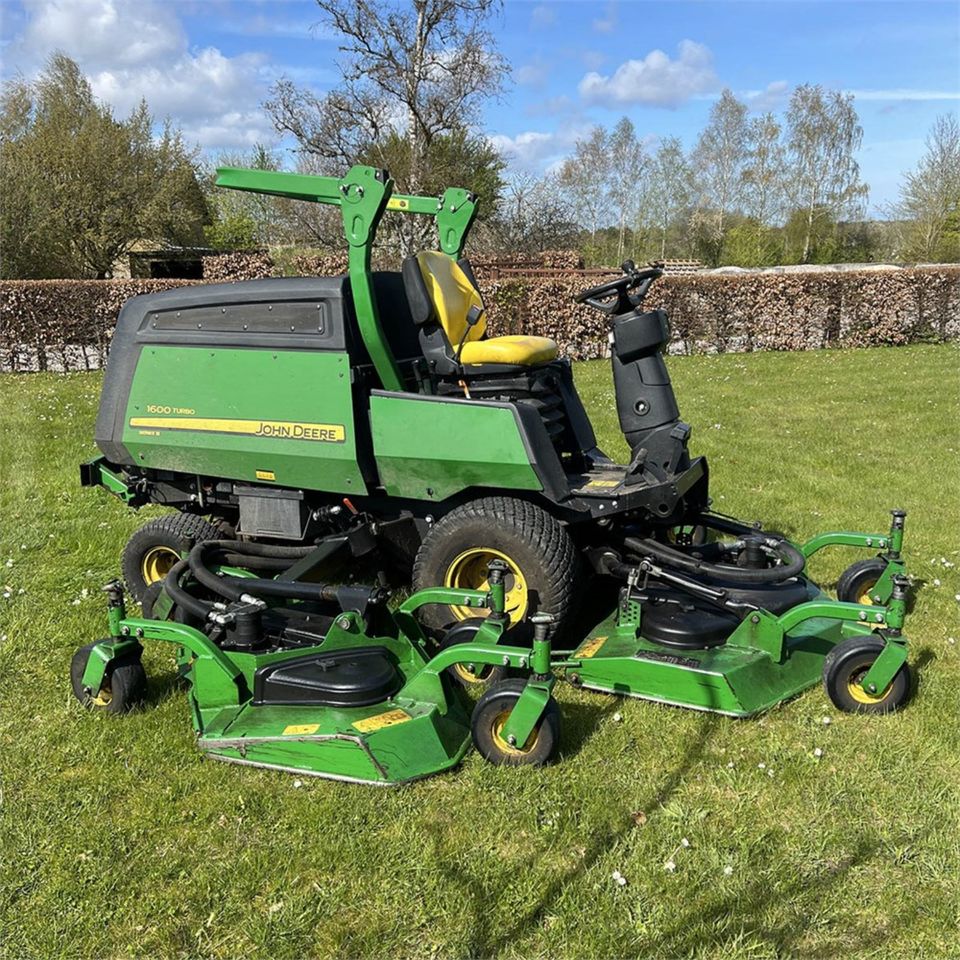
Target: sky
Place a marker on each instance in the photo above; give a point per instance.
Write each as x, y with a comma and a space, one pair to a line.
209, 65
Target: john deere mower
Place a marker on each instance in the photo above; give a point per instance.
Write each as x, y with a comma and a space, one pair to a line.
370, 415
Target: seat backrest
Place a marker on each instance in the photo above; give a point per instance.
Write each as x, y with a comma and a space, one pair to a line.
450, 294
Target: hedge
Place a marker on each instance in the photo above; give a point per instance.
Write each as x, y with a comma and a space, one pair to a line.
67, 324
64, 324
757, 311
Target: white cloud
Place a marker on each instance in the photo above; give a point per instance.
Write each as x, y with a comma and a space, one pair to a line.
114, 31
542, 15
532, 74
770, 98
655, 80
608, 22
138, 49
538, 151
902, 93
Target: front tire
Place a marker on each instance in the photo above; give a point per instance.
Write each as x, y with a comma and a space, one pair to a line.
156, 547
844, 669
540, 555
490, 716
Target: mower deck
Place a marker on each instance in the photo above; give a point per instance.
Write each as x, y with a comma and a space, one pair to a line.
733, 680
385, 744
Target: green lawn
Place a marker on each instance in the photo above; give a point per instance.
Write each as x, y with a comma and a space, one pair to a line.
117, 840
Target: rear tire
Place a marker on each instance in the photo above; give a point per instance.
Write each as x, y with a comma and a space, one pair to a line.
535, 545
157, 546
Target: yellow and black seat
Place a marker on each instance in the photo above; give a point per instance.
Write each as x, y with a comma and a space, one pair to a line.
446, 306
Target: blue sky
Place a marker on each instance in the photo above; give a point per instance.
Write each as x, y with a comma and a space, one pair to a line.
210, 63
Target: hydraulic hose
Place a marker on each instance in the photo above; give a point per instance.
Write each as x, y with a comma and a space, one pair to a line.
234, 588
171, 585
792, 562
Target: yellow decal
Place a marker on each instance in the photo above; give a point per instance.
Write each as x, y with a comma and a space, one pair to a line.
381, 720
284, 429
266, 475
590, 648
398, 203
300, 729
604, 483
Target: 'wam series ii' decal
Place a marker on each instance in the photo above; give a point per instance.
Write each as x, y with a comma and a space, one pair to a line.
283, 429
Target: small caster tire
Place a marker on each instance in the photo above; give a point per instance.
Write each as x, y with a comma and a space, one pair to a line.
844, 670
124, 683
490, 716
858, 580
465, 632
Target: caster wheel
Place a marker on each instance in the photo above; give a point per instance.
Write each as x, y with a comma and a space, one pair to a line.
124, 684
859, 579
483, 674
843, 672
490, 716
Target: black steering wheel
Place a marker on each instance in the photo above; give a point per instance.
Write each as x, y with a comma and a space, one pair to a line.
614, 297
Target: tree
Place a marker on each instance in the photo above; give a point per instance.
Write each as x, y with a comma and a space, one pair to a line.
627, 167
930, 197
823, 178
718, 160
80, 187
584, 178
670, 190
533, 216
762, 186
242, 220
414, 74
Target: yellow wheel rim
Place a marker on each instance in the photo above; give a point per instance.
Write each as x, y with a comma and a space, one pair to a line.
865, 591
103, 698
856, 691
157, 562
469, 572
479, 676
507, 748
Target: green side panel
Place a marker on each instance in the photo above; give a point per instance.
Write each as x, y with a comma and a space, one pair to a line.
427, 448
286, 415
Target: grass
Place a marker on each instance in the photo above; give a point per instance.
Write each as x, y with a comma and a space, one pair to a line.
117, 840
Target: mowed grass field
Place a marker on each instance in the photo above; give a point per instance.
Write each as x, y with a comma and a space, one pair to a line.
804, 833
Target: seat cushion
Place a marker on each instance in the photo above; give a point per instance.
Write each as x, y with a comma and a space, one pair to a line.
516, 350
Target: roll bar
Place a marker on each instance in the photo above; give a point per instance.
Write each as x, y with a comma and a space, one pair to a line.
363, 196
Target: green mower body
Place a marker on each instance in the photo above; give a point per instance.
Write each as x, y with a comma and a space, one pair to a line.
283, 409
